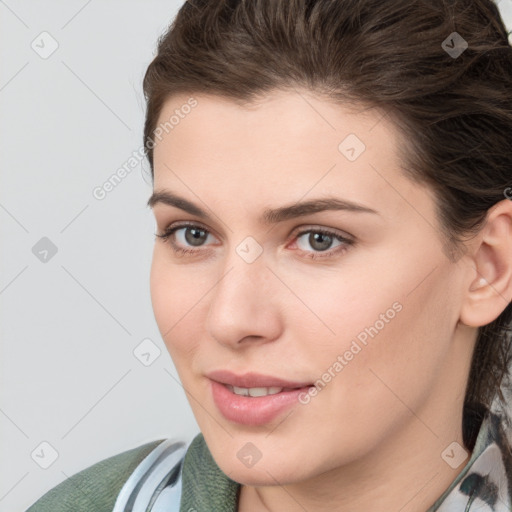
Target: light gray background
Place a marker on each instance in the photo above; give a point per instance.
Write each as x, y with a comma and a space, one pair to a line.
70, 324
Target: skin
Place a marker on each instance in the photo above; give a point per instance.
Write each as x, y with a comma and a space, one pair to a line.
372, 438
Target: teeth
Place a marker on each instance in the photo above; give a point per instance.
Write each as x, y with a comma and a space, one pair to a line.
255, 391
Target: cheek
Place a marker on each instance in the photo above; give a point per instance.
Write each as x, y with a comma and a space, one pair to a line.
360, 327
175, 301
404, 360
334, 307
162, 297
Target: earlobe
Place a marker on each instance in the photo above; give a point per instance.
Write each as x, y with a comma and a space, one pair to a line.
490, 288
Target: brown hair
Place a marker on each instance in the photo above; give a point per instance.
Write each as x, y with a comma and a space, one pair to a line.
453, 110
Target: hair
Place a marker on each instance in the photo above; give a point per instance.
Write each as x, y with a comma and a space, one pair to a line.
454, 112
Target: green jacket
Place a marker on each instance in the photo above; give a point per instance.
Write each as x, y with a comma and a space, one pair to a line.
167, 476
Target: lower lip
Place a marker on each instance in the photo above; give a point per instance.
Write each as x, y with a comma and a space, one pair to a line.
256, 410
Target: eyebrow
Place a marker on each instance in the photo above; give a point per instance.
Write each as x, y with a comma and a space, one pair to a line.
269, 216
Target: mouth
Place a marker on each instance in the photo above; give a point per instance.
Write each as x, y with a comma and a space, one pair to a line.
253, 380
257, 392
254, 403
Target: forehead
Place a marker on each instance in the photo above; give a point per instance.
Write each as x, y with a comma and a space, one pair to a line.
291, 143
302, 113
280, 126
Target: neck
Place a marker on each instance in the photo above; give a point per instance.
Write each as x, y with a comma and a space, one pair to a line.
406, 475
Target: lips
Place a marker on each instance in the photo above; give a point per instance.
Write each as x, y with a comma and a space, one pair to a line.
252, 411
254, 380
253, 399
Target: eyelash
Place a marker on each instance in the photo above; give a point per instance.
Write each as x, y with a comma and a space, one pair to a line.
311, 255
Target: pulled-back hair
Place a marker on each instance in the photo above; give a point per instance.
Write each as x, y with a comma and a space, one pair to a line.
452, 109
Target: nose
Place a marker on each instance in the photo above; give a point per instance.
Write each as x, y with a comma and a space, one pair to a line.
244, 304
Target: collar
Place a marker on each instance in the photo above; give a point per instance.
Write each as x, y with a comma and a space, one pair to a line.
204, 485
484, 484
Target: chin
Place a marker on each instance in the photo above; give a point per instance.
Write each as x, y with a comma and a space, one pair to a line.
262, 476
272, 469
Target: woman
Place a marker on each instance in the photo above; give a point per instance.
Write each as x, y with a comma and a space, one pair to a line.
332, 272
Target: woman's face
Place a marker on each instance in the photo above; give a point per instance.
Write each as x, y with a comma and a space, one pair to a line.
367, 311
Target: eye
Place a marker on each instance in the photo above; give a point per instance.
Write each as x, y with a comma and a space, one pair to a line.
184, 237
192, 234
321, 241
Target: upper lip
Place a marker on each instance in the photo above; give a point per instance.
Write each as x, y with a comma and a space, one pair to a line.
253, 380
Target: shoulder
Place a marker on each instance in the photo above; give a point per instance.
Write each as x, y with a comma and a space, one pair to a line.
101, 486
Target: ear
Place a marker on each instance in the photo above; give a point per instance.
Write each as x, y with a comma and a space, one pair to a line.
490, 279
